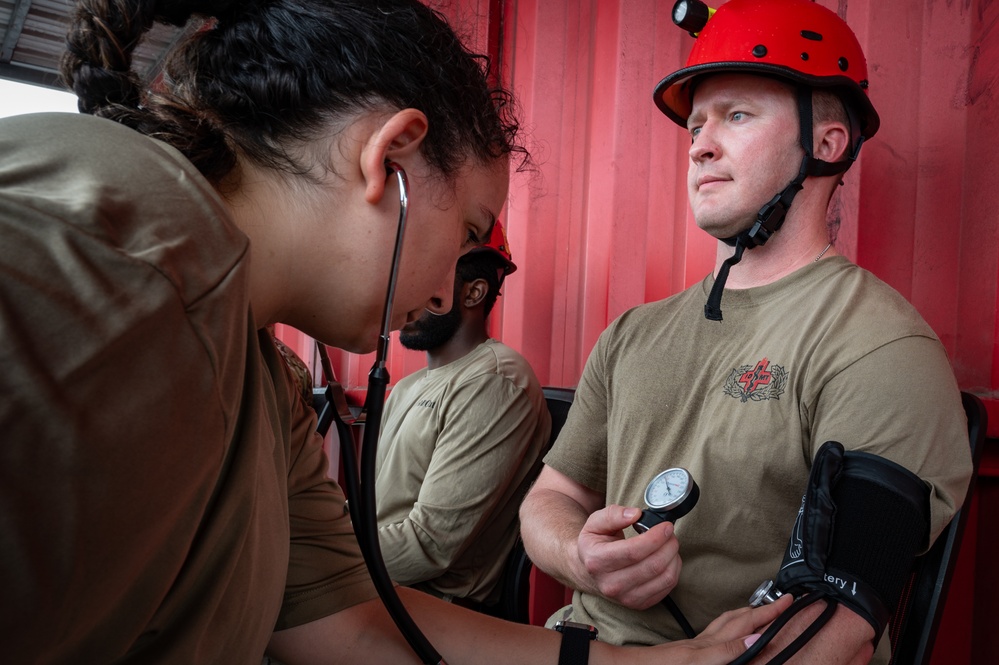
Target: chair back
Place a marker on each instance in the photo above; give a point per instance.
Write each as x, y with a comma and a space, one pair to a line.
913, 628
559, 400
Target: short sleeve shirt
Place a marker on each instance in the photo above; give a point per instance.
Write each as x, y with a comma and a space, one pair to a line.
827, 353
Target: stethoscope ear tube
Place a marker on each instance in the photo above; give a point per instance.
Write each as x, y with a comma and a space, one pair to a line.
360, 488
361, 504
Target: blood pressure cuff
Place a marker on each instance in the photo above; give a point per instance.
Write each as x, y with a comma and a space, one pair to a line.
863, 519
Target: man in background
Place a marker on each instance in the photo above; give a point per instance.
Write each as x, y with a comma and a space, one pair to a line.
461, 443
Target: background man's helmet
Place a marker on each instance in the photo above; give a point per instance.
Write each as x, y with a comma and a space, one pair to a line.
498, 244
797, 40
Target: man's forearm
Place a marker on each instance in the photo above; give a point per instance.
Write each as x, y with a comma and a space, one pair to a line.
845, 640
550, 523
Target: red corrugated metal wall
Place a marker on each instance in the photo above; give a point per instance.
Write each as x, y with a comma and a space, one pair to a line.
602, 223
605, 221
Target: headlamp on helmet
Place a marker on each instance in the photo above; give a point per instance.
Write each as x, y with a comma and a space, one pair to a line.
692, 15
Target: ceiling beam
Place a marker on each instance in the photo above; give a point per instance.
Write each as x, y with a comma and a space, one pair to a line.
45, 78
14, 28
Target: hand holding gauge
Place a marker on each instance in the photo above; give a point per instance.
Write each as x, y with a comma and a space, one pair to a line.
669, 496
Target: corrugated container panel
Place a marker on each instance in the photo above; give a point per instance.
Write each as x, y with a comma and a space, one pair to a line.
602, 223
605, 222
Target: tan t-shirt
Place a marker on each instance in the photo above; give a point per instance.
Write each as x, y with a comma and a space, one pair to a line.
827, 353
163, 496
458, 448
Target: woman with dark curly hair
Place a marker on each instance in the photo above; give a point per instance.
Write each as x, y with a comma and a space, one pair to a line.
163, 494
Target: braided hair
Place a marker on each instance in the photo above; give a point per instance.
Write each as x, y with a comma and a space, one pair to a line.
265, 79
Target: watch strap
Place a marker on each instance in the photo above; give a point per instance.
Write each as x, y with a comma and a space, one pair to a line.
576, 638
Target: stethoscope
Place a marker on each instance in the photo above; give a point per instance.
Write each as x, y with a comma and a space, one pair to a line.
360, 490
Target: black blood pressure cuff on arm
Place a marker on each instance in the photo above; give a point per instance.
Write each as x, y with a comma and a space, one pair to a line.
863, 519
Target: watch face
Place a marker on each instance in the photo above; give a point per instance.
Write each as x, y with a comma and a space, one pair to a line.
668, 489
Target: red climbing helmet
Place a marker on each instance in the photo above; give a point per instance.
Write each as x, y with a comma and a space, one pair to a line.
797, 40
497, 243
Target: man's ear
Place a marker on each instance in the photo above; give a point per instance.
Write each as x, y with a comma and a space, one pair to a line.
395, 139
831, 141
474, 293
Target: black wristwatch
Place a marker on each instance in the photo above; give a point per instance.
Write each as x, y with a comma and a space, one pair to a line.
576, 638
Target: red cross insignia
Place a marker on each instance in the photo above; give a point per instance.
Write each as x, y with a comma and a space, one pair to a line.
756, 382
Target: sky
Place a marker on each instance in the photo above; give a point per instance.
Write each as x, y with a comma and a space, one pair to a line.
18, 98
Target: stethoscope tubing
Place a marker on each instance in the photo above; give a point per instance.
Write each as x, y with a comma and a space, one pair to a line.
360, 487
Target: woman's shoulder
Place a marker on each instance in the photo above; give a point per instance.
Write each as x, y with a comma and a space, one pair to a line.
74, 179
88, 150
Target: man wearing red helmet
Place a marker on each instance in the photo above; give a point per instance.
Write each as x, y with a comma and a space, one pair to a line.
811, 348
461, 442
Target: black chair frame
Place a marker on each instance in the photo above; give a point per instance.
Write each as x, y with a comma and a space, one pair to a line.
913, 629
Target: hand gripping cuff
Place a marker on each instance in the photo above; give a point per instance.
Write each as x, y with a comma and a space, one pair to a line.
862, 521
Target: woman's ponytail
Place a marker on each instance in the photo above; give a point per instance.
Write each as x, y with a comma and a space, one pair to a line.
97, 66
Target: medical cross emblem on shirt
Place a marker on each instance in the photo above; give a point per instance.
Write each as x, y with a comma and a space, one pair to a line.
758, 382
756, 377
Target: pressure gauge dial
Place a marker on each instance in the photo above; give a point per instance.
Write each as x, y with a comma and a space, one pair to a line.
669, 496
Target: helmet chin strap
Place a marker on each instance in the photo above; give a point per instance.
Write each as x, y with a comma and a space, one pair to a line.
771, 216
